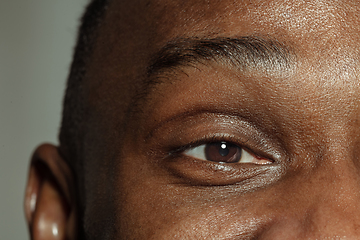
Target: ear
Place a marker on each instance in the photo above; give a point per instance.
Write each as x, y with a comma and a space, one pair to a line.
50, 205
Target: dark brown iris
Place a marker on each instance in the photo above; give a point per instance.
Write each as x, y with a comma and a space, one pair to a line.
222, 152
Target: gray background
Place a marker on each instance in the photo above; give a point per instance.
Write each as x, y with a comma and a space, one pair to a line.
36, 43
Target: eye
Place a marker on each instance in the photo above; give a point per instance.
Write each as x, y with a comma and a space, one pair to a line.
224, 152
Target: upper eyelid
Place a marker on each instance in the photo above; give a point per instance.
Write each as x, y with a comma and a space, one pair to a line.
208, 126
194, 113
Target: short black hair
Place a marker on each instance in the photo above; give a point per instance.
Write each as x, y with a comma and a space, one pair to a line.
73, 125
74, 110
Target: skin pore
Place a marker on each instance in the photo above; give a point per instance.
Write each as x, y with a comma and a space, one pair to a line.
293, 107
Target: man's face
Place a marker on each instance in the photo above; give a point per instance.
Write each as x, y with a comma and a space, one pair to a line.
224, 120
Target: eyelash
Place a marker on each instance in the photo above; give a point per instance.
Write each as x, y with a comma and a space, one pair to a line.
171, 140
216, 138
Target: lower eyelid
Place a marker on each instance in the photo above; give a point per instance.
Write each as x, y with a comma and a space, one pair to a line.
194, 171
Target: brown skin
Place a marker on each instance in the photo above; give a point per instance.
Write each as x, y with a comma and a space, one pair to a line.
305, 120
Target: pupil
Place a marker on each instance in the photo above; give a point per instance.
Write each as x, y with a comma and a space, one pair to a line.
224, 150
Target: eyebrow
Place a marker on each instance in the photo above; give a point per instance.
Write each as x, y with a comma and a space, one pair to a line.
243, 53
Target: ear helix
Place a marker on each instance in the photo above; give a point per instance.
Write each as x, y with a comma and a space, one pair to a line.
50, 215
48, 209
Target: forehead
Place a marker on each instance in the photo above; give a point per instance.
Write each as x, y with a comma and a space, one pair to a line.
213, 18
134, 30
324, 35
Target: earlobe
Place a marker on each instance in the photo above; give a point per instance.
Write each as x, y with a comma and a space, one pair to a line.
50, 207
